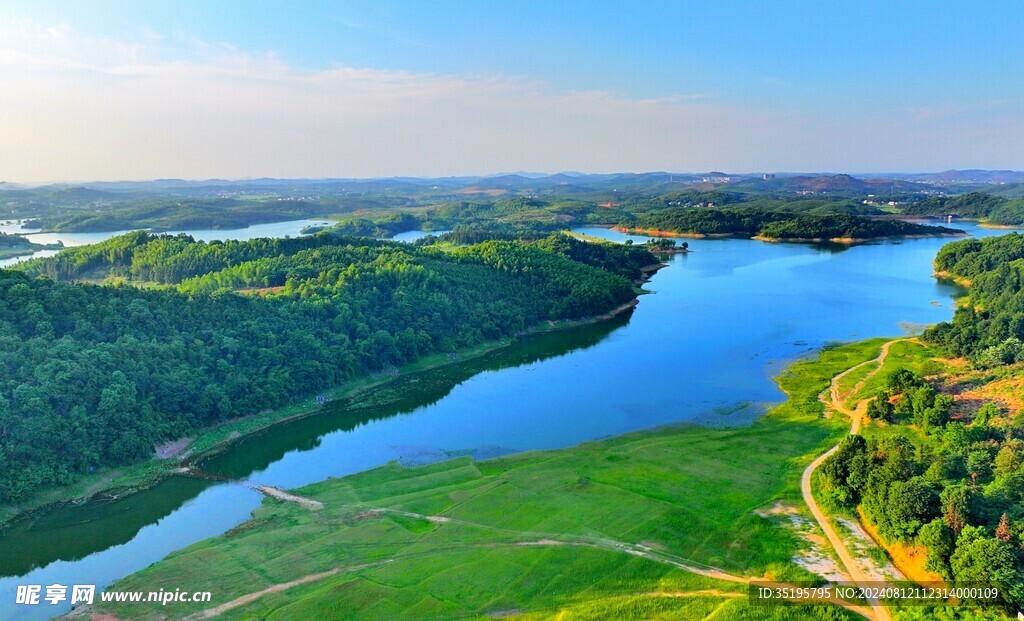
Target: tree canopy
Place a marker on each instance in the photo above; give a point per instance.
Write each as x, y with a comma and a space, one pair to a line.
94, 376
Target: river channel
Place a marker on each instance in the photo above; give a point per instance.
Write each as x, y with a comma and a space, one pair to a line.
701, 347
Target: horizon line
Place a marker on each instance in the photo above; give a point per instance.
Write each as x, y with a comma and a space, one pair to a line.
519, 173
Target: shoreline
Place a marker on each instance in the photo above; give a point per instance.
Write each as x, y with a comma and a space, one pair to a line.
660, 233
851, 240
783, 441
838, 240
655, 251
206, 443
14, 253
985, 224
944, 275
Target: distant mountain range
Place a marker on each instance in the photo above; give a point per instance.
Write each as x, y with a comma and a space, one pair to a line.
832, 184
567, 182
967, 176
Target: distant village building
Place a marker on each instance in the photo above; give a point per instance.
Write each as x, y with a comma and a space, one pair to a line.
768, 176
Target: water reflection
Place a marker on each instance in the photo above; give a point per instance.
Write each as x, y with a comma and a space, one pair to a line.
73, 532
703, 347
405, 395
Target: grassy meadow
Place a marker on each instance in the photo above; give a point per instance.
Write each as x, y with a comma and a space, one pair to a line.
597, 531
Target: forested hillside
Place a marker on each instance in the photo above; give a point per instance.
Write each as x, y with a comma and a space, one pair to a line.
950, 481
989, 328
514, 205
180, 213
779, 224
981, 205
93, 376
15, 245
943, 468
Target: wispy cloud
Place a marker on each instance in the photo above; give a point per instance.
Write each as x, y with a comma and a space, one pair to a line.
961, 110
77, 106
141, 109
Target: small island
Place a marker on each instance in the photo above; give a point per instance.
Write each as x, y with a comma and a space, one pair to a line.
17, 245
778, 226
663, 245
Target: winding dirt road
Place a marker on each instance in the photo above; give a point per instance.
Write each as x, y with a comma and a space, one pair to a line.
835, 401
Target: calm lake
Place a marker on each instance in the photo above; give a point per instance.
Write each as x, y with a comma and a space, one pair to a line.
274, 229
720, 322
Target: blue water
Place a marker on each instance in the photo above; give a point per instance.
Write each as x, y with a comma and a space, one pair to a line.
411, 236
291, 228
703, 346
273, 229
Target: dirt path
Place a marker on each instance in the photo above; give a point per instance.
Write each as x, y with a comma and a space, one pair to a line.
835, 401
529, 538
312, 505
635, 549
536, 538
876, 611
209, 613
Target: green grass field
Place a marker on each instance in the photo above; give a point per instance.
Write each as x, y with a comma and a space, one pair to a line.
913, 355
532, 536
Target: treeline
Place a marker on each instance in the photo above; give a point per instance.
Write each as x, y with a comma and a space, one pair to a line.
955, 487
813, 205
386, 226
15, 245
12, 242
94, 376
162, 258
181, 213
624, 260
384, 209
989, 327
779, 224
514, 216
468, 234
742, 222
522, 214
525, 216
981, 205
171, 259
843, 226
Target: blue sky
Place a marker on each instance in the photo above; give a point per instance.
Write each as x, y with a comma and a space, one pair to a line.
431, 88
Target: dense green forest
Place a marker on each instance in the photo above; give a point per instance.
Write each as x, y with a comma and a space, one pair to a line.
948, 478
988, 328
533, 217
526, 216
94, 376
174, 213
980, 205
383, 208
952, 485
387, 225
779, 224
469, 234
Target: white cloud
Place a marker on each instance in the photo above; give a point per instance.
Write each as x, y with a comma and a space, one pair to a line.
75, 106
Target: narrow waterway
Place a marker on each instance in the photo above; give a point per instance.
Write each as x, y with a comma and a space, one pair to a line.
291, 228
